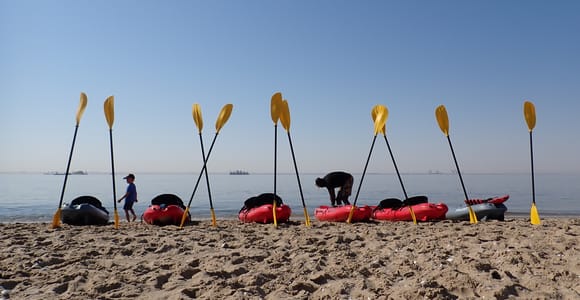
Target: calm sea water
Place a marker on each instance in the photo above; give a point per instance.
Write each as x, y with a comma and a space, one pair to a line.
34, 198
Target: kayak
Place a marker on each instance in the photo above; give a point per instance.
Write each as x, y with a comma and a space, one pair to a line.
423, 212
165, 209
340, 213
484, 211
263, 214
84, 210
258, 209
488, 209
495, 200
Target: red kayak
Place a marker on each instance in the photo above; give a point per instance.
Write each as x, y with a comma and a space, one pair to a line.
495, 200
164, 215
340, 213
165, 209
263, 214
423, 212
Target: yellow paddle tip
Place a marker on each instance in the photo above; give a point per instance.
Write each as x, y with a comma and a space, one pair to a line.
534, 216
56, 220
472, 216
350, 214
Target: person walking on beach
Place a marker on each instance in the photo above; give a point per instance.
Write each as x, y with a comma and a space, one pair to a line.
334, 180
130, 197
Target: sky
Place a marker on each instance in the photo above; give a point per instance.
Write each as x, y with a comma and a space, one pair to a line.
331, 60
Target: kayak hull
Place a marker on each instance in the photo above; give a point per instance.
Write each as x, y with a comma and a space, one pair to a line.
340, 213
83, 214
264, 214
163, 215
483, 211
84, 210
423, 212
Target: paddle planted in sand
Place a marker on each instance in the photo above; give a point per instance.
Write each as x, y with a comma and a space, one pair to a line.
80, 111
275, 104
374, 113
109, 107
285, 120
196, 112
530, 115
220, 122
380, 119
443, 121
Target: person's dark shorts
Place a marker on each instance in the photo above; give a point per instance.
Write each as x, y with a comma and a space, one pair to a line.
128, 205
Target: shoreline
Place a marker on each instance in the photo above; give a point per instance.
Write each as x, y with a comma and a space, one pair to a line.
434, 260
300, 218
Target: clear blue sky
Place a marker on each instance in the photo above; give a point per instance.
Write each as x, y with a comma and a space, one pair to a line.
332, 60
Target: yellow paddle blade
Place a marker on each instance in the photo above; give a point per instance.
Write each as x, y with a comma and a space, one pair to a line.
275, 107
472, 216
534, 216
213, 221
274, 213
56, 219
530, 114
82, 106
306, 217
285, 115
442, 119
223, 117
413, 215
374, 113
110, 111
116, 219
184, 217
380, 119
350, 214
196, 112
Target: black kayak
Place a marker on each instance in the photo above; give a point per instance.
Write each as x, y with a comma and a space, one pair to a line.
484, 211
84, 210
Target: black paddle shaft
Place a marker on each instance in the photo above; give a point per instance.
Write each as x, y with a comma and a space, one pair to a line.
395, 164
113, 169
275, 157
202, 170
205, 171
532, 164
364, 170
457, 166
68, 165
296, 169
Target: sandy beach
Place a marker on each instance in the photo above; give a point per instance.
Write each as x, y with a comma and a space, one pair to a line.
441, 260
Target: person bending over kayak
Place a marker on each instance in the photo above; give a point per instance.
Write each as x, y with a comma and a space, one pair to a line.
334, 180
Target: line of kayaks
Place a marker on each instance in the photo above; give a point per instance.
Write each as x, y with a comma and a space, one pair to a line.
168, 209
388, 210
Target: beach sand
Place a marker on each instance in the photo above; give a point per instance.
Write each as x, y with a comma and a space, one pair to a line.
441, 260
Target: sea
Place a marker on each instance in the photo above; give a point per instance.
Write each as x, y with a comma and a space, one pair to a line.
26, 197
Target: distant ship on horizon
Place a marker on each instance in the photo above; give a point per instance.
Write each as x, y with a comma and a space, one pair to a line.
239, 172
69, 173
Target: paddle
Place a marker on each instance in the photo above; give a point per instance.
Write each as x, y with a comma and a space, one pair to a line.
109, 107
443, 121
374, 113
80, 111
275, 105
380, 119
285, 120
530, 115
196, 112
220, 122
